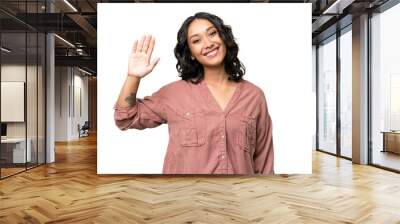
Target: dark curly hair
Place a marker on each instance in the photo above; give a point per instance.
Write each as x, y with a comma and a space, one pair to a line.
192, 70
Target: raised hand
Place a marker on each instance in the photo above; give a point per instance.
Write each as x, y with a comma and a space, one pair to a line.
139, 61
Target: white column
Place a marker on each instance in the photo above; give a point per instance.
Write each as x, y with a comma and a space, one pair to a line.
360, 90
50, 93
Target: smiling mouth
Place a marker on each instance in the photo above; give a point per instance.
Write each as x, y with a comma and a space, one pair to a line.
212, 53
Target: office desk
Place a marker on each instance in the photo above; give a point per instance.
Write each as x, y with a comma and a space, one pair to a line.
13, 150
391, 141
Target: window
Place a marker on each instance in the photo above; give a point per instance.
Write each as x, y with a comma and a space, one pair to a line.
385, 88
327, 96
346, 93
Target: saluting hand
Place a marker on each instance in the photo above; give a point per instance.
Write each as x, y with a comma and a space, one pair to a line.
139, 59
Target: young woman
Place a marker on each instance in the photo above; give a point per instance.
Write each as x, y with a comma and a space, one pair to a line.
218, 122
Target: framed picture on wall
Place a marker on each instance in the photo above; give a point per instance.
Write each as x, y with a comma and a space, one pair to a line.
12, 101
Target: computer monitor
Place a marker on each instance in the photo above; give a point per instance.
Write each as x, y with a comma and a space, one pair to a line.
3, 129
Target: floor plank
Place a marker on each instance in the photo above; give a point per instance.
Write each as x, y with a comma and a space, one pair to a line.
70, 191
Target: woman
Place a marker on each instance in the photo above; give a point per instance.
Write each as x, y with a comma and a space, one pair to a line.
218, 122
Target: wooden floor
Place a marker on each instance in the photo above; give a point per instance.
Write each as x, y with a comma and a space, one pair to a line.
8, 171
5, 172
70, 191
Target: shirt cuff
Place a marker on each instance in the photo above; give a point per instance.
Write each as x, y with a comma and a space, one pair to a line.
122, 113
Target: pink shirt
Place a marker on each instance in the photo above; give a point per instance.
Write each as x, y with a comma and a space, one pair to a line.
203, 139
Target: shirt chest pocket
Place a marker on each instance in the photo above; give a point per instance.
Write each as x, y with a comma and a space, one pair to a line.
246, 137
191, 129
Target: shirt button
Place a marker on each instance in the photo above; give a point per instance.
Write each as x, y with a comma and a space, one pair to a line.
223, 157
187, 114
222, 136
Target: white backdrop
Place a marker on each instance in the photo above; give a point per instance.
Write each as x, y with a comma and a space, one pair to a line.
274, 45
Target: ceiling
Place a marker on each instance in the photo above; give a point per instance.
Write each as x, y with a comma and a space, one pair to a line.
76, 22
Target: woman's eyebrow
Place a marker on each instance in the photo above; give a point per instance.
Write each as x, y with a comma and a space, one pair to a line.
194, 35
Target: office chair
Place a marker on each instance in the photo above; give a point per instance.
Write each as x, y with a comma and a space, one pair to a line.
84, 130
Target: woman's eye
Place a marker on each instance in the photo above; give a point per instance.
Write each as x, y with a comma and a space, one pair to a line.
213, 33
195, 41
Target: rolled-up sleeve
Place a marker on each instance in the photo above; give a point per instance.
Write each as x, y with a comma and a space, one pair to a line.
148, 112
264, 152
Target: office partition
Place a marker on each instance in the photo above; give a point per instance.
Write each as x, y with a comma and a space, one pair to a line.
22, 77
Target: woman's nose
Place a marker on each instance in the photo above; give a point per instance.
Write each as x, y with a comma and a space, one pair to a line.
208, 43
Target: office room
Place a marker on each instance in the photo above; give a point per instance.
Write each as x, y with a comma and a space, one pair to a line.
314, 139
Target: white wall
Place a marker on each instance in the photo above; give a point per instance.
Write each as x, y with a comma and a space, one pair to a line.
80, 83
70, 83
12, 73
34, 124
61, 103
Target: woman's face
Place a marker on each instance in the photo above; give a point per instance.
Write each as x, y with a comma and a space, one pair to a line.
205, 44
